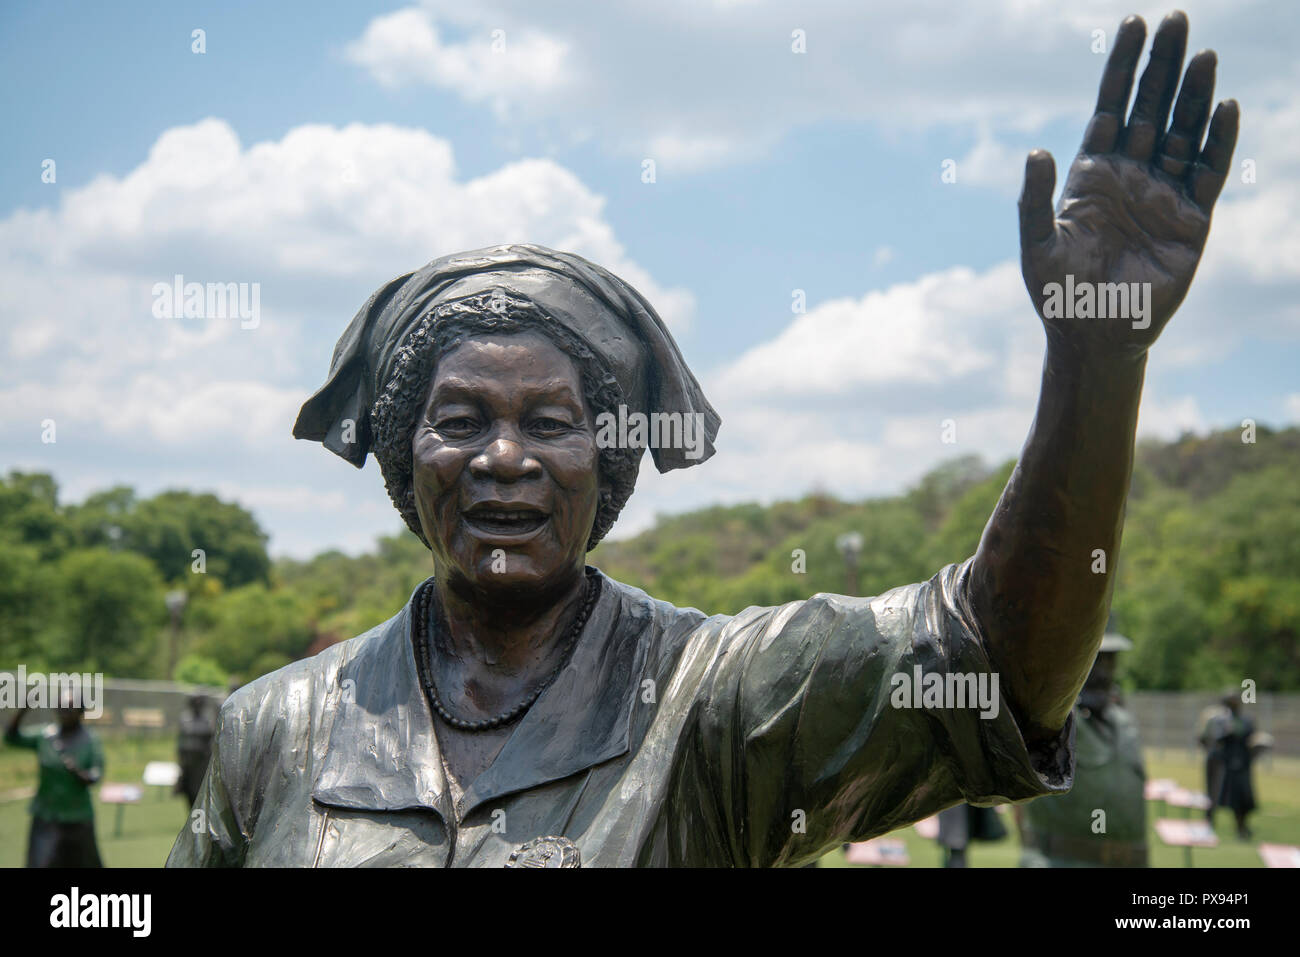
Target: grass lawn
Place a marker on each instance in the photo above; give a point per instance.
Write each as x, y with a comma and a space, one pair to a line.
149, 828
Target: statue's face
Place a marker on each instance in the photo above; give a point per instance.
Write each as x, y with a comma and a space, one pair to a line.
505, 466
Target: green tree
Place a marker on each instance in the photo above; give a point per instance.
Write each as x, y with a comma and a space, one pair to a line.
101, 519
28, 593
29, 514
170, 526
197, 670
242, 625
958, 534
266, 663
108, 613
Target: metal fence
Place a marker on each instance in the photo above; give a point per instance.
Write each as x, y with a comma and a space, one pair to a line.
1170, 720
141, 708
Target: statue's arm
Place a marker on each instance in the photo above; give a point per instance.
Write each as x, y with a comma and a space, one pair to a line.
1042, 578
1128, 232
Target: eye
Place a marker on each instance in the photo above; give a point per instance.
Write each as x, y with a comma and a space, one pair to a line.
548, 426
460, 426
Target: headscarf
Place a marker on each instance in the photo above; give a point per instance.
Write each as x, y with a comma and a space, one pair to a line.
612, 318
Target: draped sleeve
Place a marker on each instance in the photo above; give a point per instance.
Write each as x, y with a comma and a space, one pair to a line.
811, 735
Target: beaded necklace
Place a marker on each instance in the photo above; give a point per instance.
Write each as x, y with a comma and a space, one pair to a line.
424, 645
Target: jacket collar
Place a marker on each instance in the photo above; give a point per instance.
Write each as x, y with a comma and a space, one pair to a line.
383, 750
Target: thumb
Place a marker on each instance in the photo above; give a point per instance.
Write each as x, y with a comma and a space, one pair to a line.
1037, 221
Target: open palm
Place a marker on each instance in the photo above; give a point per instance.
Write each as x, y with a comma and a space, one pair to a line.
1137, 203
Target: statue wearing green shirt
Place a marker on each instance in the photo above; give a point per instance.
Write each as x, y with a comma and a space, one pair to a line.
63, 818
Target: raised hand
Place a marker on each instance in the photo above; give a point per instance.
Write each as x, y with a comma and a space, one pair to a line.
1136, 205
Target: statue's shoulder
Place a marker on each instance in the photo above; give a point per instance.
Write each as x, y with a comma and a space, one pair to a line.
670, 626
637, 604
297, 693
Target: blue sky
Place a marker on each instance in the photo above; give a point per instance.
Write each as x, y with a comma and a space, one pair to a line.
320, 149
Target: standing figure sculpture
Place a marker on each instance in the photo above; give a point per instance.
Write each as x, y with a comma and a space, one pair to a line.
1102, 822
963, 824
525, 710
1226, 735
71, 760
194, 746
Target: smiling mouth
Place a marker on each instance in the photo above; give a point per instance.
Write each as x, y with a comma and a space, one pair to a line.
503, 521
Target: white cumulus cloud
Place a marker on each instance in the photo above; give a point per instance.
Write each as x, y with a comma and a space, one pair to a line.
316, 220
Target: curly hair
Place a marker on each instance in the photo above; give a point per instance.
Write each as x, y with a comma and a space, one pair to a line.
400, 406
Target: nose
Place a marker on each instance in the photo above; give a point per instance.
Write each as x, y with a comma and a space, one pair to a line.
505, 459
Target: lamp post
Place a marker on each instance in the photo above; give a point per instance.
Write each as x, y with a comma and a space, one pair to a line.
849, 545
175, 600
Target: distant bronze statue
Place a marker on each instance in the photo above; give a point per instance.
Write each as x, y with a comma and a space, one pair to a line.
525, 710
194, 745
1227, 736
63, 817
963, 824
1102, 822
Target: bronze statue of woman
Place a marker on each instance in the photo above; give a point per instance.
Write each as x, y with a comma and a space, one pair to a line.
525, 710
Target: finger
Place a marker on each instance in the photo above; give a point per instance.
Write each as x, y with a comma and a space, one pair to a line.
1116, 84
1211, 169
1156, 91
1037, 221
1180, 145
